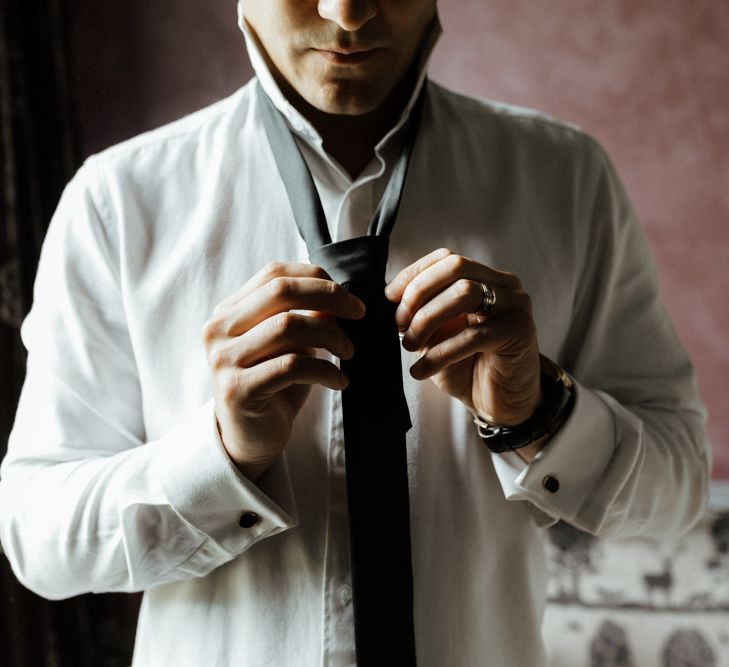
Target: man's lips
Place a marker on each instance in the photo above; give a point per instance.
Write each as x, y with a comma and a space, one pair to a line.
347, 57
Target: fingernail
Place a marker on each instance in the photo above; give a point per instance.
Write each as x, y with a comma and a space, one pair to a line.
402, 317
408, 343
416, 370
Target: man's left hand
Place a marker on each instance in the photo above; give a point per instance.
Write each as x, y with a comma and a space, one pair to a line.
488, 361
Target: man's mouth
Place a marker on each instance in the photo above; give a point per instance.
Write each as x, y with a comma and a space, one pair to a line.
347, 56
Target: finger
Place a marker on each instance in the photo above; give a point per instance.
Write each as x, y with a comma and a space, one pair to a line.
275, 375
448, 330
462, 297
438, 275
395, 288
281, 334
467, 342
289, 293
319, 314
269, 272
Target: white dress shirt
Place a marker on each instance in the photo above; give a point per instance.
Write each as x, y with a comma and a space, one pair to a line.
116, 480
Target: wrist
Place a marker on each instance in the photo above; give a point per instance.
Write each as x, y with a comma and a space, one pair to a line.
252, 469
529, 452
514, 414
557, 397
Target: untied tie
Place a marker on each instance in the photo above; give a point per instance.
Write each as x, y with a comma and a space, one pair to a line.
375, 411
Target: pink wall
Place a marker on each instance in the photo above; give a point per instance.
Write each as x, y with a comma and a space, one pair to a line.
649, 78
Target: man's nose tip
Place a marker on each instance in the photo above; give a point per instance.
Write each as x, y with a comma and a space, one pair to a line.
350, 15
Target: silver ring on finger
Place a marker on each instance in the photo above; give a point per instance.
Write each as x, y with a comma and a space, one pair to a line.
488, 301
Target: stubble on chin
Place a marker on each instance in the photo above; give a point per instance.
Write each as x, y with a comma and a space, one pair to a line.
333, 93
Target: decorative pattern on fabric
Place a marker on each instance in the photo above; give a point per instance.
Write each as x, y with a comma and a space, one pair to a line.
639, 602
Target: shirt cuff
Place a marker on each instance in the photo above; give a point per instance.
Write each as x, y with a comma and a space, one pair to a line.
204, 487
561, 478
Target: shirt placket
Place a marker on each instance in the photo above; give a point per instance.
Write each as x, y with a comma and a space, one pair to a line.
338, 638
349, 218
355, 207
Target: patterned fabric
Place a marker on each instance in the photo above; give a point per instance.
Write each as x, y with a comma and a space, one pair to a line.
640, 603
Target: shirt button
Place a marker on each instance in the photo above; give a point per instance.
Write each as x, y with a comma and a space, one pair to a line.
551, 484
345, 594
248, 519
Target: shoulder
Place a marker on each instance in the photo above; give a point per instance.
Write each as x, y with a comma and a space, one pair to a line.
509, 126
177, 144
165, 173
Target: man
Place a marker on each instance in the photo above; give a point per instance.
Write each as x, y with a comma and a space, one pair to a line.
514, 238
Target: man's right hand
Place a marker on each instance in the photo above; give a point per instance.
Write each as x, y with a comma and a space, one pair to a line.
263, 356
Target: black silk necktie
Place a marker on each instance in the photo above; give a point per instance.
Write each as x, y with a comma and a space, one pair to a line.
376, 416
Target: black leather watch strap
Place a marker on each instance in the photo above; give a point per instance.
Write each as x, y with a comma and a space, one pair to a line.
557, 400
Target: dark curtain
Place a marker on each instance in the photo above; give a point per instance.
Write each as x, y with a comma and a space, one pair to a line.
38, 155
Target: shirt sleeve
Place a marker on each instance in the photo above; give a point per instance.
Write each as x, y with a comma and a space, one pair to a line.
87, 504
633, 457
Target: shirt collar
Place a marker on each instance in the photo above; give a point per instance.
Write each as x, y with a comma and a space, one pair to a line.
299, 124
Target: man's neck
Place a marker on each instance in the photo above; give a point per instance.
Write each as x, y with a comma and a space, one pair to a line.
351, 140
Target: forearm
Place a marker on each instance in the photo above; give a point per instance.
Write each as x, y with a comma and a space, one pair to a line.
633, 458
621, 471
161, 511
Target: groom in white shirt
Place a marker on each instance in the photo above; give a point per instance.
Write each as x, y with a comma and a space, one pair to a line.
215, 482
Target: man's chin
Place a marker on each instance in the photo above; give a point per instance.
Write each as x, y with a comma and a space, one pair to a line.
345, 99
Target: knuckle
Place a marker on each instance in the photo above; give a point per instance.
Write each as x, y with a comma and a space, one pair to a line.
331, 288
481, 334
408, 277
279, 287
411, 296
288, 363
466, 288
218, 359
456, 263
419, 320
282, 324
513, 281
210, 330
520, 302
410, 280
230, 394
273, 269
477, 334
230, 388
320, 273
416, 289
526, 303
441, 253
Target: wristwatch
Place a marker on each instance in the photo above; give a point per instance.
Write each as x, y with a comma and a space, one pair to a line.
557, 399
